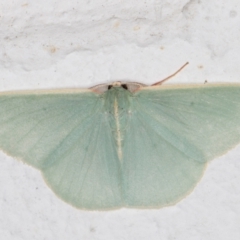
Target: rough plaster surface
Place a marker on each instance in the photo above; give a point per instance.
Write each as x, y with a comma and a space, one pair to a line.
56, 44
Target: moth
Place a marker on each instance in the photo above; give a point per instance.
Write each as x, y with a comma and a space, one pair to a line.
121, 144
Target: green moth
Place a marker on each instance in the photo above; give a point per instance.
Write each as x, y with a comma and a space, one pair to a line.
121, 144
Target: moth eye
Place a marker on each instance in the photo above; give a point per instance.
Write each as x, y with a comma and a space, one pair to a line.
124, 86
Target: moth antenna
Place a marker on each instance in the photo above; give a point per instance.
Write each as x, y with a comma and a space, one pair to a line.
165, 79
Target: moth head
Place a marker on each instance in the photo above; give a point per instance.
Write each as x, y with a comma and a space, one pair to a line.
128, 86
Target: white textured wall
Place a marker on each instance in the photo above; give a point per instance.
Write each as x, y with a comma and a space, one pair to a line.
80, 43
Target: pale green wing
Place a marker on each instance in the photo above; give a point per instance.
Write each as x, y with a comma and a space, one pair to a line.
174, 132
67, 137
